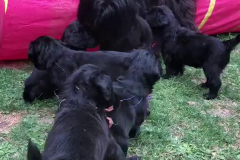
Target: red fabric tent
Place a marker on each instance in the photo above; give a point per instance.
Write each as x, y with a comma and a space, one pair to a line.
22, 21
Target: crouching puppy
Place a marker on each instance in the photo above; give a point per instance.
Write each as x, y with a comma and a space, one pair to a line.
81, 130
181, 46
77, 37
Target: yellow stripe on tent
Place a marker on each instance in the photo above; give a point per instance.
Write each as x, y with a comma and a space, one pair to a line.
6, 5
208, 14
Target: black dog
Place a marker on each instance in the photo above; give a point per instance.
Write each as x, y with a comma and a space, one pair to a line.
183, 10
78, 37
132, 112
115, 24
81, 130
49, 54
181, 46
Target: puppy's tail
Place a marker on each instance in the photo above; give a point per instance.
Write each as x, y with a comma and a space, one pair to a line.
33, 152
231, 43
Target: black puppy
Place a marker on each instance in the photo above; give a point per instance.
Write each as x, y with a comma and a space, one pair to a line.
78, 37
81, 130
132, 112
183, 10
115, 24
49, 54
181, 46
37, 84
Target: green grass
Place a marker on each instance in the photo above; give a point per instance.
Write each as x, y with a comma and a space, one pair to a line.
182, 124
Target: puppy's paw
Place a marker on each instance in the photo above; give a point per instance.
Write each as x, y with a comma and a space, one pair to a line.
134, 158
209, 96
204, 85
134, 133
166, 76
28, 97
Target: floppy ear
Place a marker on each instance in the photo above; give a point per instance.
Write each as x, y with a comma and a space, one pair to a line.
104, 83
33, 152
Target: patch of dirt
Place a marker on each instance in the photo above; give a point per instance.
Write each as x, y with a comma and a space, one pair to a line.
7, 121
14, 64
177, 131
220, 112
47, 120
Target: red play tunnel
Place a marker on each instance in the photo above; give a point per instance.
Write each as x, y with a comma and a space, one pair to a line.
22, 21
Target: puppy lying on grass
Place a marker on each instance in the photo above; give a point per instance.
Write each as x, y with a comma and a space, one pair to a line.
59, 61
181, 46
81, 130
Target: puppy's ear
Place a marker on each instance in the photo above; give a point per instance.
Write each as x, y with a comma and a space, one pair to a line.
104, 83
33, 152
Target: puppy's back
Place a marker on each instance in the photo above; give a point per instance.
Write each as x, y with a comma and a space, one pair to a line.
80, 128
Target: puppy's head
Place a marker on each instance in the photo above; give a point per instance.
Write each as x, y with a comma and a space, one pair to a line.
44, 51
159, 16
93, 84
150, 72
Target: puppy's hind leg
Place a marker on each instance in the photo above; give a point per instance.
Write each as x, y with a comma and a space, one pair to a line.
170, 72
114, 152
213, 81
179, 70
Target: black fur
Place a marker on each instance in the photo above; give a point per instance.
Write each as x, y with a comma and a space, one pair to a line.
231, 43
49, 54
132, 112
78, 37
115, 24
181, 46
183, 10
37, 85
80, 130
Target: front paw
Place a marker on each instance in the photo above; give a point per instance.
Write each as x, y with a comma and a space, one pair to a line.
167, 76
209, 96
134, 158
134, 133
28, 96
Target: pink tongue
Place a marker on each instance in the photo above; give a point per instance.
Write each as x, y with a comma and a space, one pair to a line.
110, 121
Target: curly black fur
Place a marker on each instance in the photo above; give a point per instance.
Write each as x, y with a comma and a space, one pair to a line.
115, 24
80, 130
181, 46
78, 37
183, 10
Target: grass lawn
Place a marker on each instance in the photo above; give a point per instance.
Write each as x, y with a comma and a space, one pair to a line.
182, 124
